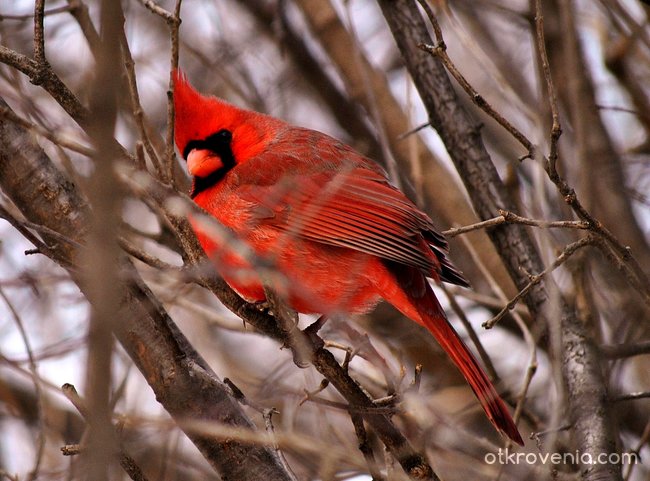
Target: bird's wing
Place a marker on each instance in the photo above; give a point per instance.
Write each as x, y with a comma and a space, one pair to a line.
355, 208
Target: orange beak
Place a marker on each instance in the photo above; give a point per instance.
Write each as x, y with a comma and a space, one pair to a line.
202, 162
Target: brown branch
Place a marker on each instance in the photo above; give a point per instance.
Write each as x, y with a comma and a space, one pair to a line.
556, 130
174, 27
79, 11
512, 218
21, 227
581, 369
623, 213
99, 260
413, 463
136, 106
159, 350
366, 448
51, 136
47, 79
268, 423
620, 351
145, 257
27, 16
127, 463
633, 396
40, 440
39, 36
537, 278
163, 361
440, 51
167, 16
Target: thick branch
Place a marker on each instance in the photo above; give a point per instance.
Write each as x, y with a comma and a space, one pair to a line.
587, 395
163, 355
161, 352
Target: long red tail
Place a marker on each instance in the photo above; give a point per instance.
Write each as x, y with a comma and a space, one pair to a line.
422, 306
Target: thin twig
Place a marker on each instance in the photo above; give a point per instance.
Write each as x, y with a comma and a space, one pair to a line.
127, 463
173, 21
619, 351
631, 396
158, 10
20, 227
4, 214
136, 105
440, 51
51, 136
147, 258
70, 392
453, 232
512, 218
626, 269
556, 129
491, 302
174, 27
39, 36
414, 130
642, 282
365, 448
27, 16
40, 443
536, 279
390, 410
79, 11
268, 423
531, 370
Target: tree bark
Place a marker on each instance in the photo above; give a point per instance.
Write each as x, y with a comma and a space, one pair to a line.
582, 375
147, 333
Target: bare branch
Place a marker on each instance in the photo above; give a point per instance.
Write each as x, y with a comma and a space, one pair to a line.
24, 170
440, 50
39, 37
625, 350
40, 442
535, 279
580, 367
51, 136
128, 464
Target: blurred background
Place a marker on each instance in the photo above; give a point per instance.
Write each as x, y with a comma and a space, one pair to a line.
333, 66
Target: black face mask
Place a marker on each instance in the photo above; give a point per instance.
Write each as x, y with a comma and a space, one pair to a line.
220, 144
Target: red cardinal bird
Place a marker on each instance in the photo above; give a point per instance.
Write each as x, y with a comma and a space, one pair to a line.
327, 218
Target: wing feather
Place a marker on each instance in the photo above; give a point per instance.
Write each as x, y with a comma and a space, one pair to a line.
357, 209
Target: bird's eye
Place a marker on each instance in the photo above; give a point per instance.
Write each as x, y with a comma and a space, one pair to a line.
224, 134
218, 142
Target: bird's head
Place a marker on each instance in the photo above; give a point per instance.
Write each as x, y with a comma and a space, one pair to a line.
214, 136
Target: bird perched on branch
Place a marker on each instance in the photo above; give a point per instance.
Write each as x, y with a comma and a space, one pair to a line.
341, 236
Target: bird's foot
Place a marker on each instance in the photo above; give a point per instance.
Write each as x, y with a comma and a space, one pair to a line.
263, 306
